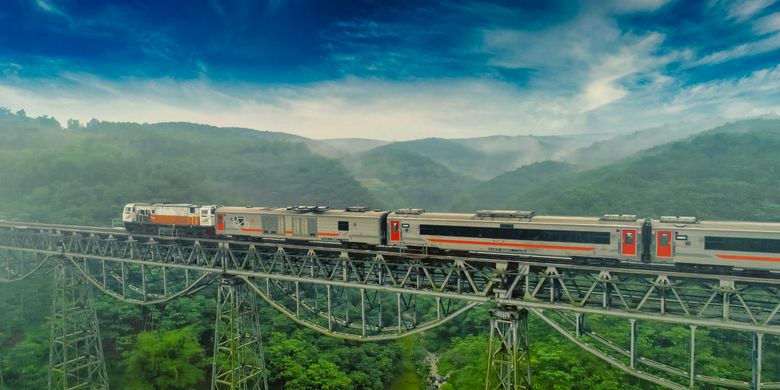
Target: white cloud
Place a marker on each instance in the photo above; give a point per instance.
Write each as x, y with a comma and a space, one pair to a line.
767, 24
742, 10
772, 42
48, 6
638, 5
394, 110
588, 56
589, 76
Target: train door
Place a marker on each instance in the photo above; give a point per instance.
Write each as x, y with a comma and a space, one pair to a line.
299, 227
629, 243
304, 227
395, 231
207, 216
663, 242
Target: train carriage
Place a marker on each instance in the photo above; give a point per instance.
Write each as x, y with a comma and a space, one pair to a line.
616, 237
674, 240
686, 240
355, 225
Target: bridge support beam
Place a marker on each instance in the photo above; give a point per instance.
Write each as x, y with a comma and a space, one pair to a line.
238, 363
509, 361
75, 354
758, 344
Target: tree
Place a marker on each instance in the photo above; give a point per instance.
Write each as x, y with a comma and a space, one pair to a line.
321, 375
165, 361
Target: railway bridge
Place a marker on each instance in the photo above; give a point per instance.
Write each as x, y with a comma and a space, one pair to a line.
370, 295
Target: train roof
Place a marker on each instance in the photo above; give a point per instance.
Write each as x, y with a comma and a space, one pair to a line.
361, 213
720, 225
170, 204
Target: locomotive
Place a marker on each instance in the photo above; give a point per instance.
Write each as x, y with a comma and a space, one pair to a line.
670, 240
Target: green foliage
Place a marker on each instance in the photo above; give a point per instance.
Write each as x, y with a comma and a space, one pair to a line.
321, 375
297, 358
165, 360
498, 193
400, 178
721, 174
465, 364
84, 175
486, 157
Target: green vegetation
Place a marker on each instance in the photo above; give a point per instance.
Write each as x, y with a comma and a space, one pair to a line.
484, 158
165, 360
84, 174
399, 179
501, 191
722, 174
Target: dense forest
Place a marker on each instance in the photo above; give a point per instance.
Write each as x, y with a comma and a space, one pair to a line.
82, 174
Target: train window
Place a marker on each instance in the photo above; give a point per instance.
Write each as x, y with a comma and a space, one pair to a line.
739, 244
629, 239
664, 240
343, 226
192, 210
395, 227
204, 212
517, 234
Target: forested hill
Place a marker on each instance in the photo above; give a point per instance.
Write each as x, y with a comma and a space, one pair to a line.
731, 172
85, 174
400, 178
502, 191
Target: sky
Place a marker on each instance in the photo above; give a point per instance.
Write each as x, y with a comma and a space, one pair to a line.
393, 70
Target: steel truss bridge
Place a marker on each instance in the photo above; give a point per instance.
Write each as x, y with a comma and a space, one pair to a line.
381, 295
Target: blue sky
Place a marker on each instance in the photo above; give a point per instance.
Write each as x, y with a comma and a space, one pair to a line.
395, 69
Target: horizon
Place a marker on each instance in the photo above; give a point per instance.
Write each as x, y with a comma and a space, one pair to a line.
393, 71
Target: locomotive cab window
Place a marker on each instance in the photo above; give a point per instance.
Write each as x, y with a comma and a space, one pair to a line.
344, 226
192, 210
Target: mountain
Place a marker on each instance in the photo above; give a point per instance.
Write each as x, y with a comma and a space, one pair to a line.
621, 146
403, 179
731, 172
352, 146
487, 157
498, 192
85, 174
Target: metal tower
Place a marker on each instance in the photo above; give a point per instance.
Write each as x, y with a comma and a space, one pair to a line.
509, 360
76, 353
238, 347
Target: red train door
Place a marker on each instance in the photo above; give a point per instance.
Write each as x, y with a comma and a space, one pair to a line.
629, 243
395, 231
663, 244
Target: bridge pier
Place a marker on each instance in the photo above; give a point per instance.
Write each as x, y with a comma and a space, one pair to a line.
238, 363
76, 352
758, 344
509, 360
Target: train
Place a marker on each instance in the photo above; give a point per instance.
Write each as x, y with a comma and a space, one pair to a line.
668, 240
